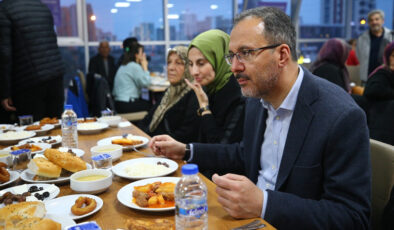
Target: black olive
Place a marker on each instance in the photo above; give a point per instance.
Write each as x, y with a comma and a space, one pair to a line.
46, 194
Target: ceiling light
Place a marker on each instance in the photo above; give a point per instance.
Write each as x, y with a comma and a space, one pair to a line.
173, 16
114, 11
214, 7
122, 4
134, 0
170, 5
93, 18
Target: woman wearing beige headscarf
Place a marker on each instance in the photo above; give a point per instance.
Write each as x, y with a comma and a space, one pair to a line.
175, 114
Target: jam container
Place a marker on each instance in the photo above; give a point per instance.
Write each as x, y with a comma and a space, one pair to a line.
91, 225
102, 161
20, 159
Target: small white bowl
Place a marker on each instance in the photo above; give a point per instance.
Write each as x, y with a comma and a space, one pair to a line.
91, 187
113, 121
6, 157
116, 151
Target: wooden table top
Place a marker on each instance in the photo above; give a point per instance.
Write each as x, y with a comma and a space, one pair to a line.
113, 214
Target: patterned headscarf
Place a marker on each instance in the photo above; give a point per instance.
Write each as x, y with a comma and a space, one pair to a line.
175, 92
213, 44
334, 51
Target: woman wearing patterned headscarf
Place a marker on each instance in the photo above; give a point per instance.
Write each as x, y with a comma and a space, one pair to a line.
221, 104
380, 84
330, 63
175, 114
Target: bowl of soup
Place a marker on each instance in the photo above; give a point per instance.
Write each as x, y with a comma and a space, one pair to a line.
116, 151
91, 181
112, 121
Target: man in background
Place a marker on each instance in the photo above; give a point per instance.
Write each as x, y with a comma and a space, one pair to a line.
370, 44
31, 68
103, 63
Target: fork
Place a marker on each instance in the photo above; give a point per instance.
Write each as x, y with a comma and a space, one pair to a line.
145, 154
256, 224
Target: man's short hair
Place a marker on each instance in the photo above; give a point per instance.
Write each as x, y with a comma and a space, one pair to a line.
103, 41
277, 26
373, 12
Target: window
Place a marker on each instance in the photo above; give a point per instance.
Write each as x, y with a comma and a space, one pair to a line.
322, 19
115, 20
187, 19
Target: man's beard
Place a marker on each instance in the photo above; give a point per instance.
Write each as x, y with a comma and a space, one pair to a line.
265, 82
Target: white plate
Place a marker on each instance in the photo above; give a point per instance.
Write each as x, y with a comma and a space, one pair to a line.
78, 152
125, 194
27, 176
5, 127
43, 146
61, 206
52, 194
43, 139
91, 127
119, 169
44, 129
16, 137
108, 141
14, 175
63, 220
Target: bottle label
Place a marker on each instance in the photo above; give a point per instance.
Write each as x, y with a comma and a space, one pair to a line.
196, 212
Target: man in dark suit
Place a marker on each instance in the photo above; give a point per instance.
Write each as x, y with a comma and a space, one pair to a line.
103, 64
305, 148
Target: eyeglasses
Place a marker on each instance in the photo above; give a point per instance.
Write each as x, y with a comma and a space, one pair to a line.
246, 55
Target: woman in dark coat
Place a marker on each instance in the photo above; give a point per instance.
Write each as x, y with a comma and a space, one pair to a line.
380, 84
221, 104
330, 63
175, 114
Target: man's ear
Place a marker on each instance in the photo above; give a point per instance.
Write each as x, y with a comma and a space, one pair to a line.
284, 55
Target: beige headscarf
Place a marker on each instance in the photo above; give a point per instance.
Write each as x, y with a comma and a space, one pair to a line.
175, 92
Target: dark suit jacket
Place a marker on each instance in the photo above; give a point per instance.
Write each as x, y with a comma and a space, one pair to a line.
96, 65
324, 180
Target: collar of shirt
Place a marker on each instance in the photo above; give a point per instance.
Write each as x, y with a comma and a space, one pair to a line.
291, 99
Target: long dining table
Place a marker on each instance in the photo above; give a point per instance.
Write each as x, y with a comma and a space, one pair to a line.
113, 215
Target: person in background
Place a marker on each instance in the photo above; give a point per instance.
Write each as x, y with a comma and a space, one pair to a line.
380, 85
221, 104
306, 167
352, 58
128, 42
103, 63
131, 77
371, 43
31, 81
175, 114
330, 63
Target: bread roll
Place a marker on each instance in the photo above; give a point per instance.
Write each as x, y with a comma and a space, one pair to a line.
36, 223
16, 212
65, 160
43, 167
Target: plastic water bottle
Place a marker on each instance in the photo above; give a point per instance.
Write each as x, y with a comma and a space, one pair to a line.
191, 210
69, 128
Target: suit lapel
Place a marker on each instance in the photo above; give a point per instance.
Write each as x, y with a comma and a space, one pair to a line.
299, 126
260, 117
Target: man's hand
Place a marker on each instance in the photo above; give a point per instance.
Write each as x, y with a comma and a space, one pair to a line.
7, 104
239, 196
167, 146
201, 95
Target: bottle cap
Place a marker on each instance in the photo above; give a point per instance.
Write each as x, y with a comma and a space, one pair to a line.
68, 106
190, 169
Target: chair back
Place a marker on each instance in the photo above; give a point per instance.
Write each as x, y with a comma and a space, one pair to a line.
382, 161
354, 74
